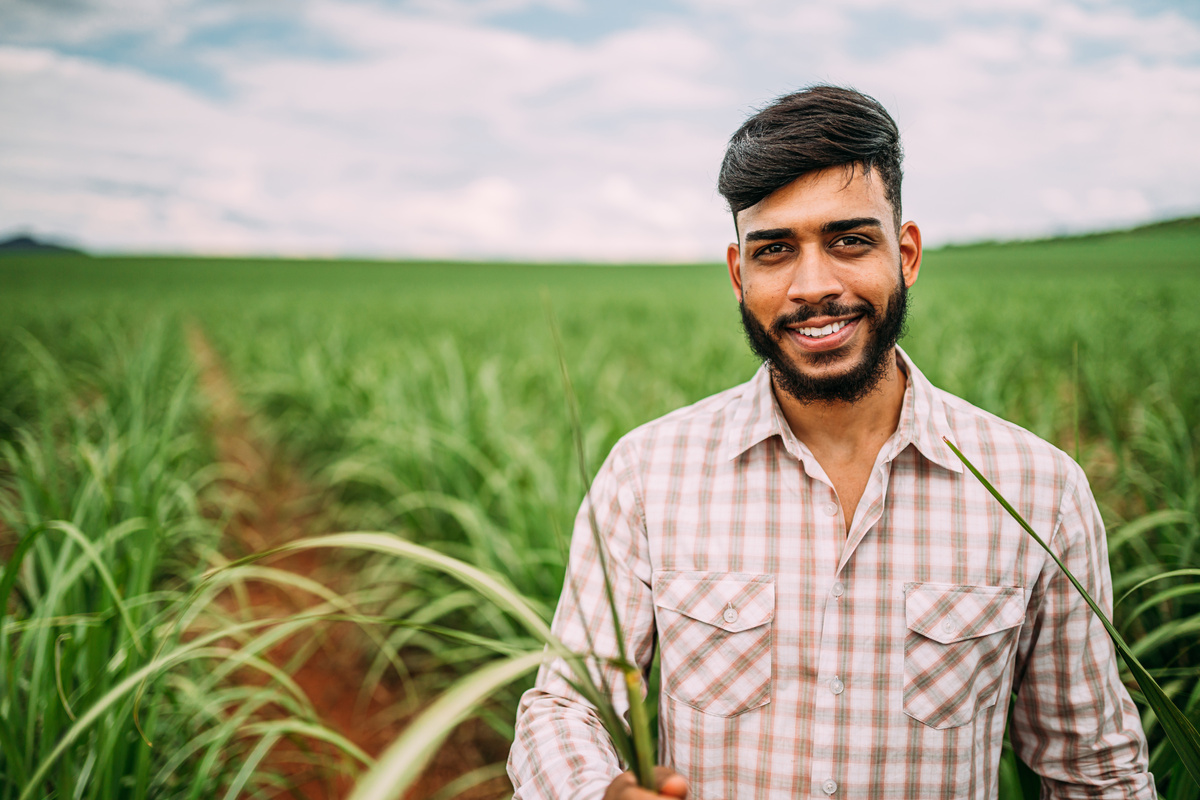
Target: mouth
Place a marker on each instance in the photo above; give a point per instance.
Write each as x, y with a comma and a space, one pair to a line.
822, 331
824, 336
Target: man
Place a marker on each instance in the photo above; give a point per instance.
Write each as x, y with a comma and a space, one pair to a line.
842, 609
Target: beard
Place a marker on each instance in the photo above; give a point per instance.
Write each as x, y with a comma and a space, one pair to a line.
885, 329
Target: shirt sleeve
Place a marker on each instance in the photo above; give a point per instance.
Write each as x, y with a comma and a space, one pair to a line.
560, 749
1074, 722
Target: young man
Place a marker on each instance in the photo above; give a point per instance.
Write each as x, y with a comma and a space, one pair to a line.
842, 609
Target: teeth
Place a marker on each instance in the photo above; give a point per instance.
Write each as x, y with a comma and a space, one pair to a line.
820, 333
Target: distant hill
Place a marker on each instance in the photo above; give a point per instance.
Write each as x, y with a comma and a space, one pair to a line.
1186, 226
1182, 224
23, 243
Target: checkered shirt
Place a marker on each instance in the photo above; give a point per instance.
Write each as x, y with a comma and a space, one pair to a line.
799, 661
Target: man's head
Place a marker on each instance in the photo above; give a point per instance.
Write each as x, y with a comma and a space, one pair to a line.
807, 131
822, 263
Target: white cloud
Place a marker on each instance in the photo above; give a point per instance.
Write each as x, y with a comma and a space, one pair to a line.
444, 134
75, 22
996, 111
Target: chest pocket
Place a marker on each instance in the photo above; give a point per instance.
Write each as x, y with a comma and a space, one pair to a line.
958, 645
714, 632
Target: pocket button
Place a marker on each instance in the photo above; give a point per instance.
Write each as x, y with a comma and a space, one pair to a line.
730, 615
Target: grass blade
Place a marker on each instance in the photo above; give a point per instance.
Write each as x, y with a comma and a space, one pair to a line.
14, 565
1179, 730
639, 720
402, 763
106, 577
486, 584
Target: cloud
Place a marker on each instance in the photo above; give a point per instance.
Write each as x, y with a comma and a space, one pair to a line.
1001, 107
438, 131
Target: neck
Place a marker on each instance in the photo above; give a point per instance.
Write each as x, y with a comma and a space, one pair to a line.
838, 427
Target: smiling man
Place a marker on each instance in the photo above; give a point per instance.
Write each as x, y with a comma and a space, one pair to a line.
841, 609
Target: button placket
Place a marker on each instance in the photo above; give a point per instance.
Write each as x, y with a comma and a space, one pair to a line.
827, 715
828, 712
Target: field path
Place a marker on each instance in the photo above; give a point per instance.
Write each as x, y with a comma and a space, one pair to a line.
266, 503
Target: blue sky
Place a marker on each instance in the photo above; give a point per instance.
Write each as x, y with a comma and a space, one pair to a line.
567, 129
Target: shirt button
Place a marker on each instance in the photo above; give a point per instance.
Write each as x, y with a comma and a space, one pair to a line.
730, 615
829, 786
836, 686
838, 589
948, 626
831, 509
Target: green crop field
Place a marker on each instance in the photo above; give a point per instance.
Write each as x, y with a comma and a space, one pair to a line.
161, 418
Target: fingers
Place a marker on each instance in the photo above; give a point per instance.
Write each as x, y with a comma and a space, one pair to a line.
625, 786
670, 783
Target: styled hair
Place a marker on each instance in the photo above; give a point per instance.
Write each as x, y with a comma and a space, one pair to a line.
813, 129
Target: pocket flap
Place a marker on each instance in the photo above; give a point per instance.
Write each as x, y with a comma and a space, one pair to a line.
947, 612
730, 601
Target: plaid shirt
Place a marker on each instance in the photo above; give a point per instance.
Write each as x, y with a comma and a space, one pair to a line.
799, 661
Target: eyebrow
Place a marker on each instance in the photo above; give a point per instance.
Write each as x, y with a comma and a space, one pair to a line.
833, 226
843, 225
768, 234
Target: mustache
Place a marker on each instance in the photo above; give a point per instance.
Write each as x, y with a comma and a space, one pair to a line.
830, 309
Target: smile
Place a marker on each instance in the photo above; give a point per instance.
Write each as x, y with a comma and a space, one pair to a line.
822, 332
823, 338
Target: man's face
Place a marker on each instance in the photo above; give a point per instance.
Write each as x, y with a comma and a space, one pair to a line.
821, 275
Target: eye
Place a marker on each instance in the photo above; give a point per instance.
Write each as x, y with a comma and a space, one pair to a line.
775, 248
852, 240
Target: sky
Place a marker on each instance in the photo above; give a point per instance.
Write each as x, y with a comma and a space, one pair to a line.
580, 130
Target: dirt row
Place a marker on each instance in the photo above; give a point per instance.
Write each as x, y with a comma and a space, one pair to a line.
271, 504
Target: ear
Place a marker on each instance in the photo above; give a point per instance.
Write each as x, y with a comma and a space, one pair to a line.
733, 257
910, 252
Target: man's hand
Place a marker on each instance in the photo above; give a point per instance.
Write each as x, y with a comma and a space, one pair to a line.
669, 782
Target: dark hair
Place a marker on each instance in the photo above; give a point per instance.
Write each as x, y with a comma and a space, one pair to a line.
809, 130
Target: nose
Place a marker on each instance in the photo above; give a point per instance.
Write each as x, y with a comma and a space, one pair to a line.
814, 278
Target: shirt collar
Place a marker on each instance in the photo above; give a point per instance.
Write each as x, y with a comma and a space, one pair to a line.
923, 421
757, 417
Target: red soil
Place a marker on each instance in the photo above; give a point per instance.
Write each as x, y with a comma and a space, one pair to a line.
275, 505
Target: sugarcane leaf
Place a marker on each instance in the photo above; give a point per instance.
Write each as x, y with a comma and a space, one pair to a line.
1179, 730
404, 760
14, 565
639, 720
1175, 573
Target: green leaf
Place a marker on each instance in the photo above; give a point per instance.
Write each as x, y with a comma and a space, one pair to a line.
484, 583
481, 581
106, 577
639, 720
14, 566
1138, 527
1180, 731
402, 763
